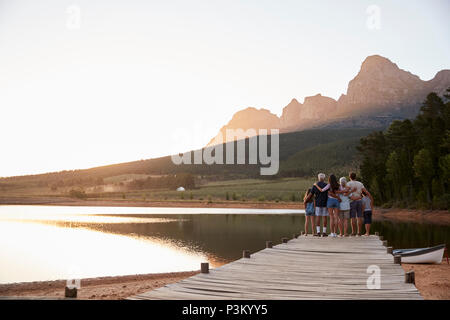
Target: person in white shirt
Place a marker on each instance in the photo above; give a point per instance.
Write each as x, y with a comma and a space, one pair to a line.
356, 211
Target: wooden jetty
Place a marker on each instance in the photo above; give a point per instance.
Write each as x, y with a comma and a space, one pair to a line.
306, 267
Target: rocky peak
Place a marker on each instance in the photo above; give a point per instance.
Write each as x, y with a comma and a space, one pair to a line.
440, 82
245, 119
381, 83
291, 113
250, 118
375, 62
317, 107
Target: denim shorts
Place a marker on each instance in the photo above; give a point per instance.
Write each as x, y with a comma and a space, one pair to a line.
368, 217
332, 203
321, 212
309, 210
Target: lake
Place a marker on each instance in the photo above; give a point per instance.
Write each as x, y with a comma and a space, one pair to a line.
55, 242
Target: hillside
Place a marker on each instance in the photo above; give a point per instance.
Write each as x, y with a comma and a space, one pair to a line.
338, 157
301, 154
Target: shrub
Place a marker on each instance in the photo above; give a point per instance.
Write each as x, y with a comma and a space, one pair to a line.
400, 204
412, 206
79, 194
386, 205
441, 203
422, 197
446, 199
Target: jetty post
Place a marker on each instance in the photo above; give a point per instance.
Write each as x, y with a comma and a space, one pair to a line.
410, 277
204, 267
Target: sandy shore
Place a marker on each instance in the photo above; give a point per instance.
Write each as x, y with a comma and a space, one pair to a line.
102, 288
136, 203
432, 281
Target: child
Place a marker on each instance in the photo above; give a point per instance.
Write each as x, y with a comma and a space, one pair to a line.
344, 206
308, 201
367, 207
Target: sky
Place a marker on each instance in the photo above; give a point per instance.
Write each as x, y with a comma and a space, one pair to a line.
95, 82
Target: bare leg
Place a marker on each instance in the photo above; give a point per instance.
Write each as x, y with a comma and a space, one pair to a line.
353, 224
309, 220
367, 229
306, 225
330, 213
336, 219
313, 224
341, 225
345, 222
360, 225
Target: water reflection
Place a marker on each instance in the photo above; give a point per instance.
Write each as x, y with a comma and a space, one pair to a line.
412, 235
31, 252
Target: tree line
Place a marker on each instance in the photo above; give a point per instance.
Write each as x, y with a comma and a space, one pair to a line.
408, 165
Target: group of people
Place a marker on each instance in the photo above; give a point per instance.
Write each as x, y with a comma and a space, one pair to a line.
340, 201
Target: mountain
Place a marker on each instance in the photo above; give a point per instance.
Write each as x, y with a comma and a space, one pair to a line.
380, 93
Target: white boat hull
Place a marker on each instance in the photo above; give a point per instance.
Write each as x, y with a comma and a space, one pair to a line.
428, 257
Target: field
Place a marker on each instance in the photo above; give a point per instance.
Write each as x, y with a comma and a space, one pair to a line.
279, 190
287, 189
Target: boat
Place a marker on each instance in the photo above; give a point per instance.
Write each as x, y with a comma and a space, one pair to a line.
421, 255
